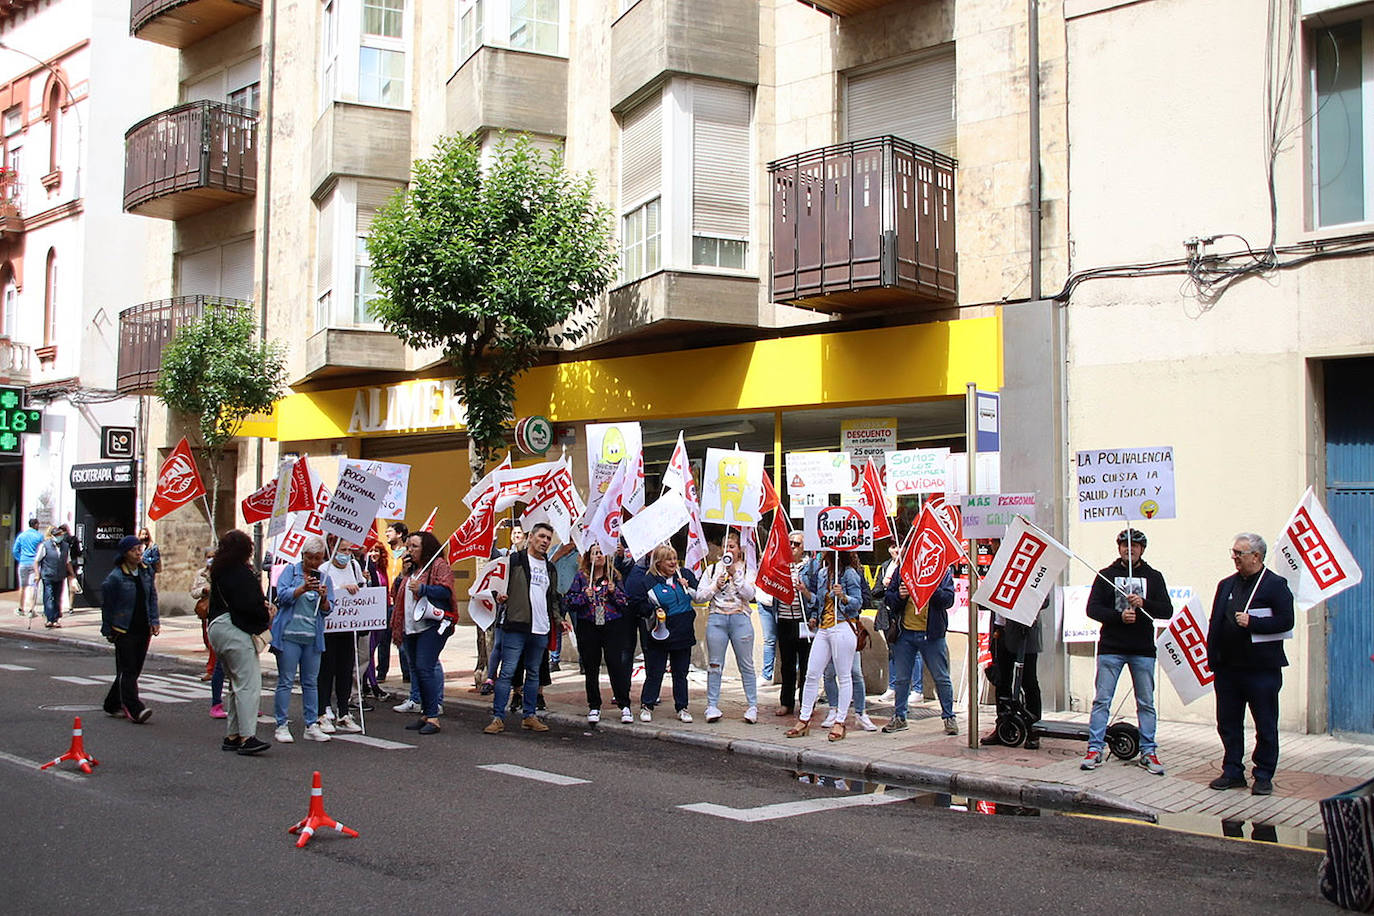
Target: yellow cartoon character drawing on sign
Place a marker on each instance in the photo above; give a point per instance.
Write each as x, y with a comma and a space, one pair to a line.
613, 446
734, 480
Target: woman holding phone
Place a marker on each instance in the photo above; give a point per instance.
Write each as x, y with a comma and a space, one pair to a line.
304, 598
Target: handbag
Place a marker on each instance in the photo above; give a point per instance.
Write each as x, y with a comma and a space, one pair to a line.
203, 606
860, 634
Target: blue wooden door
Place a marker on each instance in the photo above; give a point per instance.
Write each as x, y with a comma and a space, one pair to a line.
1349, 387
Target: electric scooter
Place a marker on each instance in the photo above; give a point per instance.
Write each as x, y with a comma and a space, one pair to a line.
1014, 723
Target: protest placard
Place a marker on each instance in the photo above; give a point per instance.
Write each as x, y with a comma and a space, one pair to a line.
733, 489
281, 500
865, 438
1127, 484
363, 611
396, 475
987, 515
353, 507
812, 477
659, 521
838, 528
915, 471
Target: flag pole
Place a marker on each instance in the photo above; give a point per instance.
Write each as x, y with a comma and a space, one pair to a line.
971, 447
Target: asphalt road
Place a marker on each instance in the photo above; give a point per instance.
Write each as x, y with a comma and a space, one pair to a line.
169, 823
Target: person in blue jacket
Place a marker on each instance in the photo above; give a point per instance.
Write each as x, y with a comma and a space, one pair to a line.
129, 620
305, 596
833, 616
921, 629
668, 594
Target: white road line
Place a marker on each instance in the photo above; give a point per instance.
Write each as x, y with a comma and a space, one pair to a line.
373, 742
15, 668
511, 769
83, 681
34, 765
793, 809
159, 697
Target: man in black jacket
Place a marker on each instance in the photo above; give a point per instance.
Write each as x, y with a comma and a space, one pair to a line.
1251, 612
1125, 597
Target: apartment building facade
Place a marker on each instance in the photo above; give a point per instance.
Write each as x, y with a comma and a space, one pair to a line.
828, 212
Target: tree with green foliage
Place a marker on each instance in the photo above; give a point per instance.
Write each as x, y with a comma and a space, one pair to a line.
216, 373
493, 263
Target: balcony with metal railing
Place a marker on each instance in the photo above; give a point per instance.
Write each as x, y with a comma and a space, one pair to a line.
147, 328
190, 159
182, 23
864, 226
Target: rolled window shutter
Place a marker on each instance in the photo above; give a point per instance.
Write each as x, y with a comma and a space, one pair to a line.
371, 198
198, 273
324, 245
236, 270
914, 101
641, 153
720, 160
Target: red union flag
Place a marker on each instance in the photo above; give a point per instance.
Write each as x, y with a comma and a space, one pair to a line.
1182, 651
1023, 573
929, 551
257, 506
872, 495
1312, 556
474, 538
775, 568
303, 491
947, 511
178, 482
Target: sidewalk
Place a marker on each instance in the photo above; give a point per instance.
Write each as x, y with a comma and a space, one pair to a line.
1311, 767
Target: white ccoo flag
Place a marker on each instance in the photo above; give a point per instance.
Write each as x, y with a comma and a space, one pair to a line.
1023, 572
1312, 557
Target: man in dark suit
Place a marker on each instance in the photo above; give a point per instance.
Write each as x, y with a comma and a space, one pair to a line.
1252, 612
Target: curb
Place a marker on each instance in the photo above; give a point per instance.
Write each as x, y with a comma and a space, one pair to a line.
1031, 793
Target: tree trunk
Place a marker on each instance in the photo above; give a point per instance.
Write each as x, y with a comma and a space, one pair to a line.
477, 460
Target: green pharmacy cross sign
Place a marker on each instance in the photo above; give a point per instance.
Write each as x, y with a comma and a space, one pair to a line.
16, 419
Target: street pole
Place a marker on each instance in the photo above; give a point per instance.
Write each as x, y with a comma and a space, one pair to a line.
971, 446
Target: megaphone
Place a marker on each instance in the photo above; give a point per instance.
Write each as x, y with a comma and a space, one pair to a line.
661, 628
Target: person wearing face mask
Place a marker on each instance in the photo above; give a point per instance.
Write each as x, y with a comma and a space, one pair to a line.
339, 657
54, 566
305, 596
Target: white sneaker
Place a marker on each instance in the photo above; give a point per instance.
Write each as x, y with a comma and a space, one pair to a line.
315, 733
684, 716
830, 718
712, 714
916, 697
646, 714
326, 725
408, 706
888, 697
346, 725
438, 709
283, 735
327, 717
751, 715
593, 716
626, 717
866, 723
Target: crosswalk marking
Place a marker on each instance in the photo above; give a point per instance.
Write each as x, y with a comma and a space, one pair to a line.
511, 769
73, 679
793, 809
15, 668
373, 742
159, 697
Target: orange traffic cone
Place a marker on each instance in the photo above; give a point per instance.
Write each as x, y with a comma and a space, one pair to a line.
316, 819
77, 752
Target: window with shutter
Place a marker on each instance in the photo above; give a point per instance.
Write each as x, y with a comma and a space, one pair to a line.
198, 273
720, 175
236, 270
913, 100
641, 176
325, 215
371, 197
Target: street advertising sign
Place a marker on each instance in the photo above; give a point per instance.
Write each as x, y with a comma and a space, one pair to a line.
1126, 484
363, 611
812, 477
862, 439
843, 528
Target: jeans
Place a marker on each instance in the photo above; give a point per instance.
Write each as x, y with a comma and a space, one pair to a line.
656, 661
52, 599
239, 657
768, 622
793, 654
290, 657
609, 640
832, 692
918, 674
557, 646
1143, 678
217, 683
735, 630
837, 644
519, 652
935, 652
1257, 688
426, 675
494, 662
378, 657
